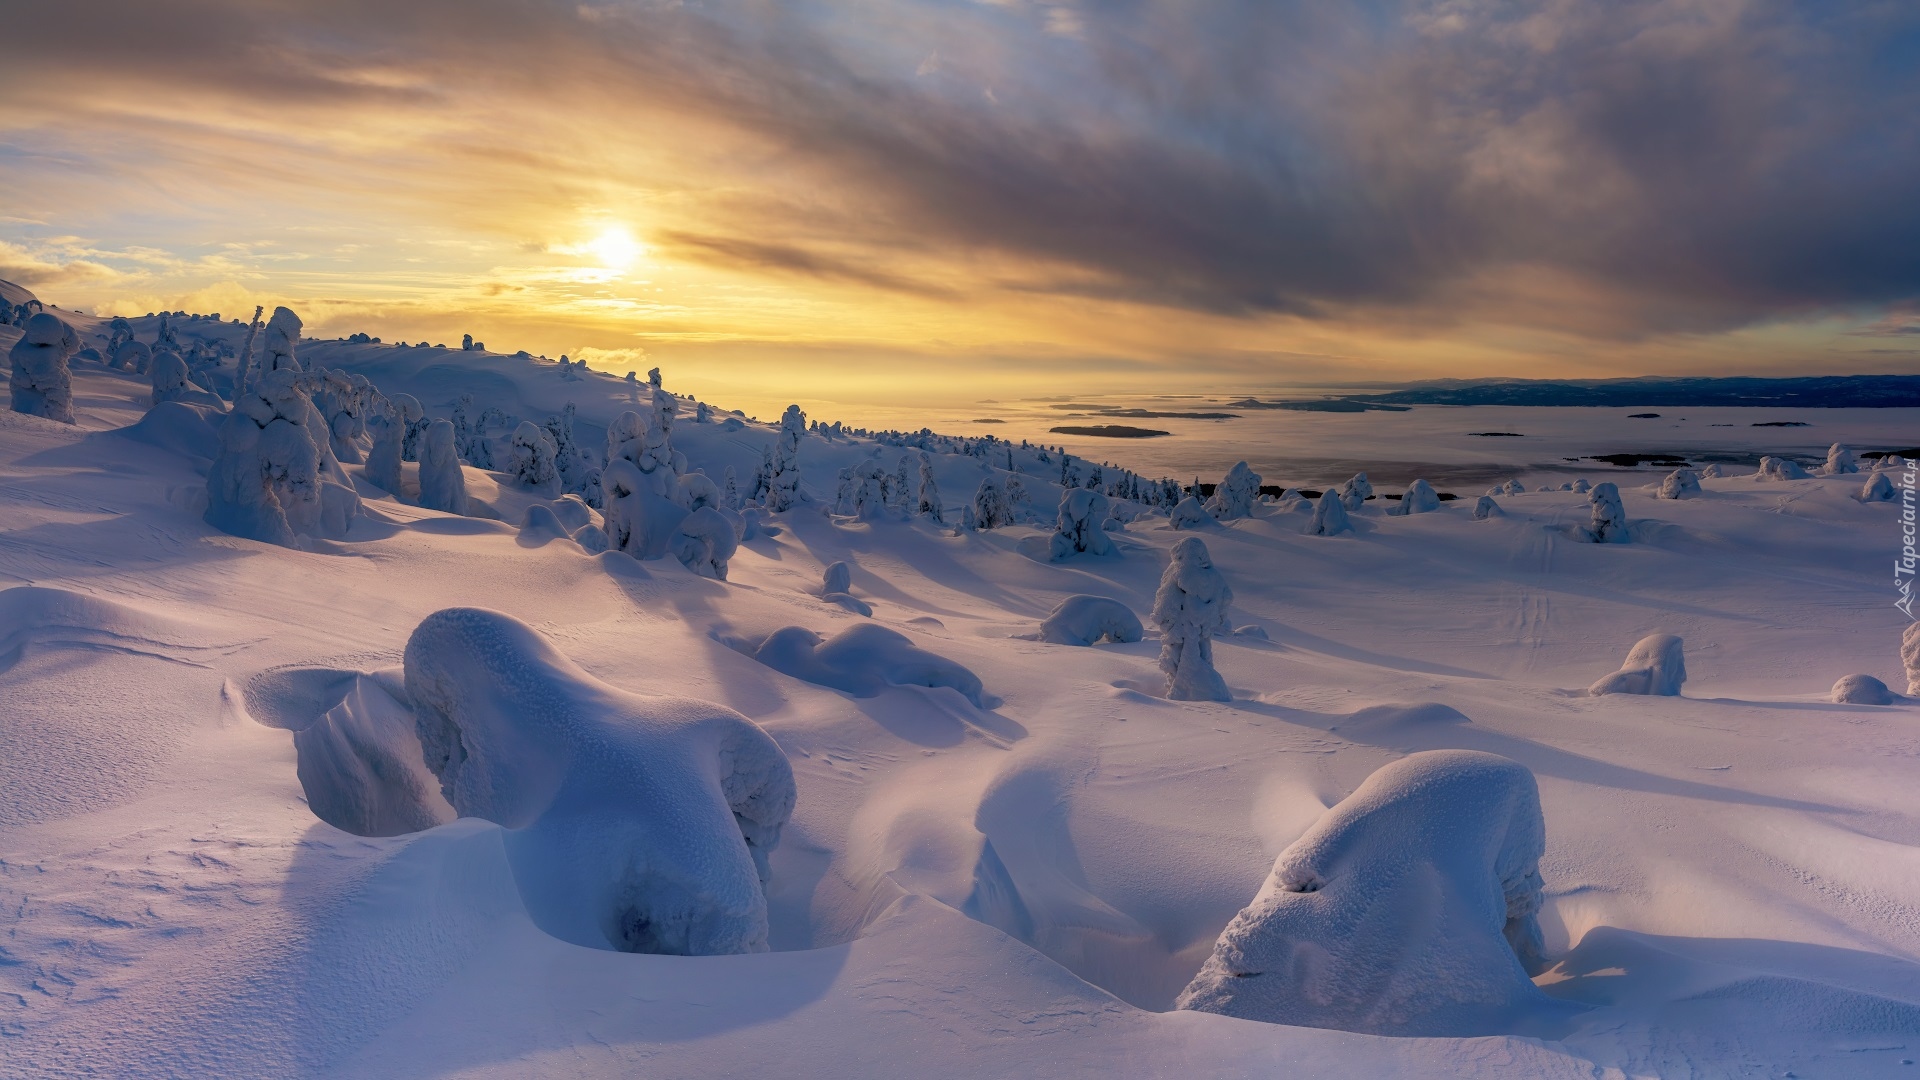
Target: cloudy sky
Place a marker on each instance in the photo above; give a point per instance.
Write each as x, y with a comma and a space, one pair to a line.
994, 195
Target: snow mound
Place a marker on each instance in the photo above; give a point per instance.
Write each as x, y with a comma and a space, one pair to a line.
1188, 513
1419, 499
863, 660
1862, 690
1877, 489
1085, 620
634, 822
1656, 666
1486, 508
184, 428
1408, 909
1383, 719
1774, 468
704, 542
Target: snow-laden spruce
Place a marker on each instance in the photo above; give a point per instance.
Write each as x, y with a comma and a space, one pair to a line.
1190, 607
1086, 620
1840, 461
133, 356
41, 383
1609, 519
1485, 508
282, 341
442, 485
1419, 499
275, 477
704, 542
1409, 908
1910, 657
1329, 516
1356, 491
1233, 496
1188, 513
928, 497
991, 507
783, 476
1877, 489
1777, 468
389, 433
869, 493
1080, 528
863, 660
1655, 666
413, 422
1862, 690
1680, 484
634, 822
167, 376
530, 459
1513, 487
1712, 471
1582, 486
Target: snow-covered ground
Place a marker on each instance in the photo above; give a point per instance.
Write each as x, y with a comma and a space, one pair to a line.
1016, 878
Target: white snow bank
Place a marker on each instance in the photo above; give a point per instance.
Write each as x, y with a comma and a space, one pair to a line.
637, 822
1862, 690
1408, 909
864, 660
1655, 666
1084, 620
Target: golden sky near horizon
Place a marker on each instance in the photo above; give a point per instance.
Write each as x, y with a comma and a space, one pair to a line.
901, 198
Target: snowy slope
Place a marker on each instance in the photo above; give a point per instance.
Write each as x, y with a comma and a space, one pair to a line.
1012, 890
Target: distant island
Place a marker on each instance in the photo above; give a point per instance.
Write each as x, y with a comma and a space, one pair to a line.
1816, 392
1108, 431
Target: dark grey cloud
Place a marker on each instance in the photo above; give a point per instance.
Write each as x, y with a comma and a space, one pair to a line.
1699, 164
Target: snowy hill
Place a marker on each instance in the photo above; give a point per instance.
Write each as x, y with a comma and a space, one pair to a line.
1011, 878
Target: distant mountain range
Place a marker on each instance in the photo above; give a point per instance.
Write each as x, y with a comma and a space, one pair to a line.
1817, 392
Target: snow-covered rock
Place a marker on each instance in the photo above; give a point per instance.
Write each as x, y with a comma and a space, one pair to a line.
863, 660
1655, 666
1329, 516
1080, 528
704, 542
1777, 468
1680, 484
1409, 908
1085, 620
1233, 497
41, 383
634, 822
1862, 690
1191, 605
442, 485
1419, 499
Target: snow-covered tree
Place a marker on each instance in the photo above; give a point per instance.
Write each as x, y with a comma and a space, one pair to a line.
566, 454
1188, 513
1191, 606
413, 421
991, 507
1329, 516
783, 479
1656, 665
282, 341
730, 489
275, 477
1355, 491
41, 383
697, 489
1455, 835
168, 376
1419, 499
1776, 468
121, 332
1877, 489
704, 542
389, 432
531, 459
1712, 471
1080, 527
1680, 484
463, 428
442, 485
928, 499
1485, 508
1513, 487
132, 356
1840, 460
869, 496
1233, 497
1609, 515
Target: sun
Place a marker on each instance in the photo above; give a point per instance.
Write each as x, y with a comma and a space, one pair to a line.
615, 247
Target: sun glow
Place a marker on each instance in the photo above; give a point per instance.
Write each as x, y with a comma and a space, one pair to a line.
615, 247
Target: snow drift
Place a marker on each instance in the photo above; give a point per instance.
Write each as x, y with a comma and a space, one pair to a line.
863, 660
1656, 665
1085, 620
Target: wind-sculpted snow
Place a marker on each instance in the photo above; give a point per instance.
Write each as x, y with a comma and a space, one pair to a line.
1192, 605
1409, 908
635, 822
863, 660
1655, 666
1085, 620
1862, 690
